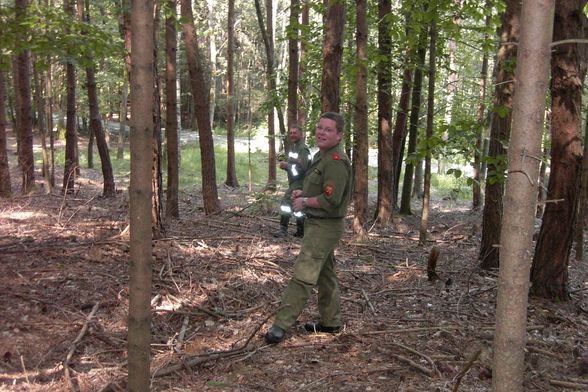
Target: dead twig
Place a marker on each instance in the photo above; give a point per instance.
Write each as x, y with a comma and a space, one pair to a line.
468, 365
415, 365
74, 345
568, 384
196, 360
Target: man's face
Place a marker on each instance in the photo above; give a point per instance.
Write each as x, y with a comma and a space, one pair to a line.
294, 135
326, 134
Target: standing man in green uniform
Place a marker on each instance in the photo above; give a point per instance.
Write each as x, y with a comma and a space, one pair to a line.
295, 164
324, 198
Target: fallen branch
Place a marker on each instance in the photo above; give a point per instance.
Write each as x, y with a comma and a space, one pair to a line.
415, 365
468, 365
568, 384
415, 352
196, 360
74, 345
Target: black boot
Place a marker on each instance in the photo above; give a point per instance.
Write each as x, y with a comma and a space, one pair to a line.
299, 227
283, 231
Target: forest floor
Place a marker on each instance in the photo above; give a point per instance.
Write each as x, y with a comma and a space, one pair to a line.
217, 282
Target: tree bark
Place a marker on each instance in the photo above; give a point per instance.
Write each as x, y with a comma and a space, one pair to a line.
141, 140
24, 132
200, 96
332, 56
430, 118
481, 121
293, 63
71, 137
231, 169
5, 184
171, 114
108, 189
42, 125
549, 273
385, 203
521, 195
360, 151
499, 135
267, 36
413, 126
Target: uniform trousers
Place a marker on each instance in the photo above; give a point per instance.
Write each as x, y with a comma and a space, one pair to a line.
315, 266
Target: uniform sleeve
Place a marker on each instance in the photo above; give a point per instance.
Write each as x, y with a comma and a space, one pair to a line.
335, 178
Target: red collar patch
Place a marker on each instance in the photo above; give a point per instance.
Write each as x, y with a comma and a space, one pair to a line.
336, 157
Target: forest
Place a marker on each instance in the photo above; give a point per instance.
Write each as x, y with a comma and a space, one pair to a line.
140, 183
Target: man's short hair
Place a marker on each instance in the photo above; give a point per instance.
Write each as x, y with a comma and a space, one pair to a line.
338, 118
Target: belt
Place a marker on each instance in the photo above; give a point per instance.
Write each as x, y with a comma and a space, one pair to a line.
323, 217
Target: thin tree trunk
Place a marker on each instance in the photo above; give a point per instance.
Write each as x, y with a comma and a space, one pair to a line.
157, 174
385, 203
231, 169
430, 117
49, 113
267, 36
520, 199
120, 151
171, 116
141, 139
24, 111
360, 151
41, 117
293, 66
499, 135
413, 127
108, 189
303, 86
71, 137
200, 96
5, 184
481, 120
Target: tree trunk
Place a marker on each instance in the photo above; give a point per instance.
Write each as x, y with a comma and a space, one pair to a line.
96, 128
413, 127
302, 80
385, 203
481, 121
521, 195
400, 127
499, 135
156, 170
125, 31
231, 169
267, 36
171, 117
360, 151
542, 191
293, 64
200, 96
41, 117
49, 112
120, 151
430, 117
332, 56
549, 273
5, 184
582, 199
141, 139
71, 137
24, 133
